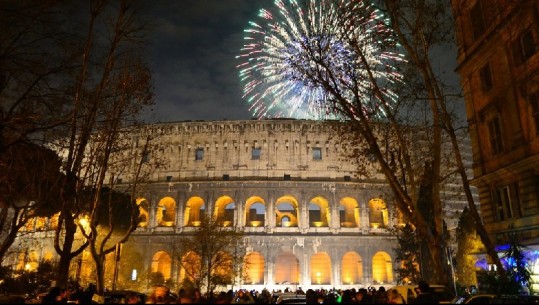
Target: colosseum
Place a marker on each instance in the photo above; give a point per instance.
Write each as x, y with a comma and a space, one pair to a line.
310, 219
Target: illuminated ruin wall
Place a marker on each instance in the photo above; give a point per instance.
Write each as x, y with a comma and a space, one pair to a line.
309, 220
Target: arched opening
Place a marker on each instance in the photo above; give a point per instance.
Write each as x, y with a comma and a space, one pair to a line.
349, 212
378, 216
255, 212
144, 208
190, 267
382, 268
286, 208
166, 212
194, 210
321, 269
224, 211
162, 262
286, 269
253, 269
319, 214
351, 268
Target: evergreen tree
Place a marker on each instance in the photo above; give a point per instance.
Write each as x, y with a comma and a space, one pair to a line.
408, 255
468, 243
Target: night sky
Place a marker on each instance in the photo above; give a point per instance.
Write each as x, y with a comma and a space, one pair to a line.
192, 51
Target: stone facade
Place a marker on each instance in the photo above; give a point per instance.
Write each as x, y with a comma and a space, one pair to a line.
306, 214
310, 218
498, 62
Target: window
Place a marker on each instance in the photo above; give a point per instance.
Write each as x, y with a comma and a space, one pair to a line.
477, 19
523, 47
495, 135
199, 154
503, 203
317, 153
255, 153
145, 157
534, 103
506, 202
486, 78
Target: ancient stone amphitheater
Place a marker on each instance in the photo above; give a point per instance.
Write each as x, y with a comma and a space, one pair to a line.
310, 219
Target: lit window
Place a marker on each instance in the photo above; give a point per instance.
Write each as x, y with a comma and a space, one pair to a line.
495, 135
199, 154
486, 78
317, 153
255, 153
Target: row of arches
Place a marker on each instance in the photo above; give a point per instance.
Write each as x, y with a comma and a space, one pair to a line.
256, 212
285, 269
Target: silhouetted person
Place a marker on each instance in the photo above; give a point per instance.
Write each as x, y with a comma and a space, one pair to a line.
425, 295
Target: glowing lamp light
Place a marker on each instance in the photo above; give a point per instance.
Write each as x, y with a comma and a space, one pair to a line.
196, 223
227, 223
318, 224
255, 223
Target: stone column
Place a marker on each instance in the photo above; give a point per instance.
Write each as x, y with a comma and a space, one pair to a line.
152, 223
270, 213
179, 210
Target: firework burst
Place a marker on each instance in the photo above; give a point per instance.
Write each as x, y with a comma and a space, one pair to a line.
300, 47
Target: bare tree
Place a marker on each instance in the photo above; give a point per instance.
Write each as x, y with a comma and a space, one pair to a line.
112, 87
421, 26
34, 66
355, 62
212, 255
29, 185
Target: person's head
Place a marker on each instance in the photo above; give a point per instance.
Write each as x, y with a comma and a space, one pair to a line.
393, 294
132, 298
424, 286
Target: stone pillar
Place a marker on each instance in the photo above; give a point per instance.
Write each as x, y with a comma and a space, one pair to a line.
269, 269
239, 214
303, 217
306, 274
270, 213
152, 223
364, 208
336, 270
179, 210
367, 269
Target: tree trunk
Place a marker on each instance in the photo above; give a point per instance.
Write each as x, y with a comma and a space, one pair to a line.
100, 275
65, 251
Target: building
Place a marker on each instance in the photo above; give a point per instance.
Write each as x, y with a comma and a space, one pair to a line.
499, 67
310, 219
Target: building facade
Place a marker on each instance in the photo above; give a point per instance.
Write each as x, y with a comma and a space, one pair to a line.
310, 218
498, 63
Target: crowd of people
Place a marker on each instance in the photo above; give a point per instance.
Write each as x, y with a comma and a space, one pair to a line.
369, 295
163, 295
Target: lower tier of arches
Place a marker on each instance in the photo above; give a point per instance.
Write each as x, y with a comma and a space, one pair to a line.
280, 262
